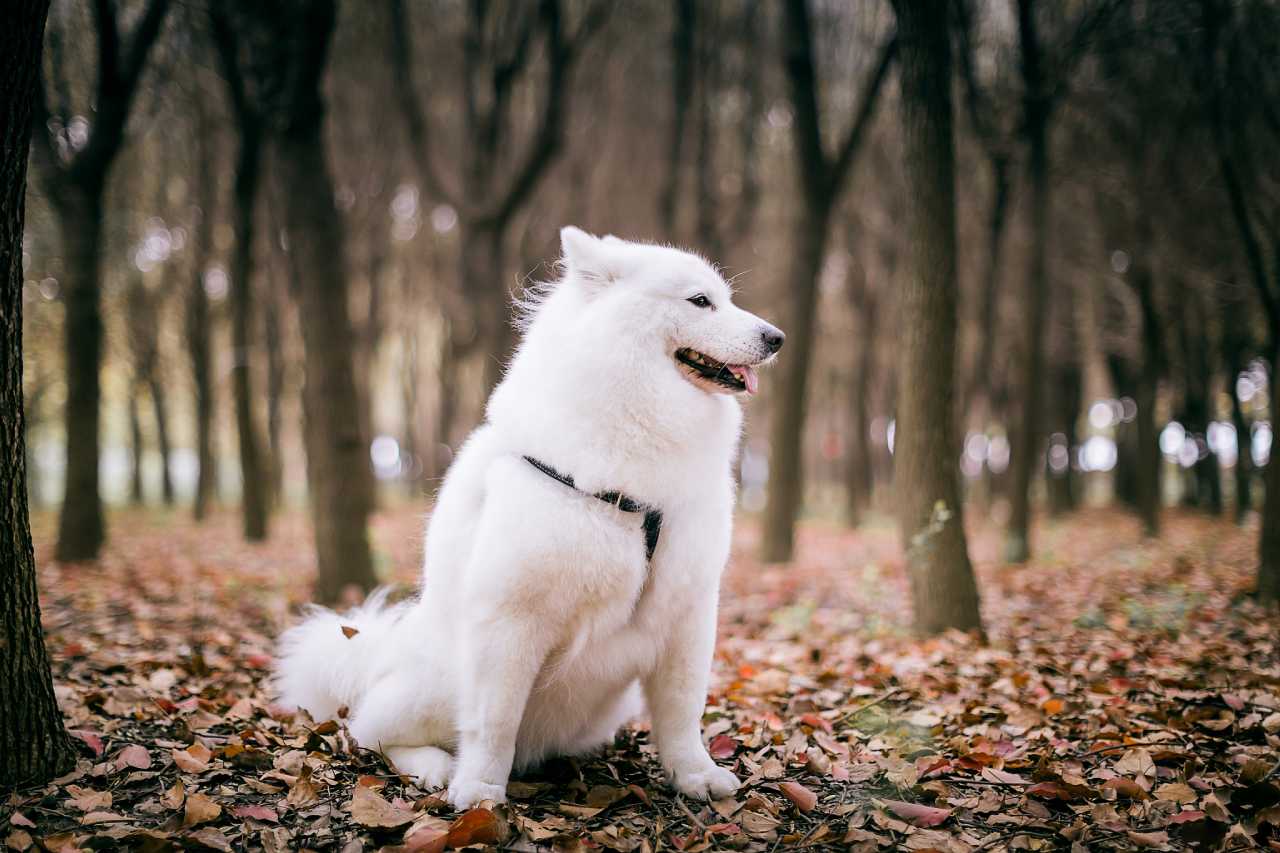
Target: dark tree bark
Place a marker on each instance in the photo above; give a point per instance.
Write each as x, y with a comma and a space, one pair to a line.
1026, 443
821, 176
160, 412
1269, 538
1215, 16
340, 481
1148, 458
75, 185
1043, 85
198, 323
137, 490
943, 590
683, 39
34, 746
250, 125
860, 471
275, 391
144, 340
985, 118
1204, 481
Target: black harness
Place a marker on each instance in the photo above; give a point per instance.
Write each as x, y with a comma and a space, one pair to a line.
652, 517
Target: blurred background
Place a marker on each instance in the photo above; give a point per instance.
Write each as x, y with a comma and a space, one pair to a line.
270, 253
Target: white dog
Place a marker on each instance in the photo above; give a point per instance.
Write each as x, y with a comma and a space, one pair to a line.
575, 551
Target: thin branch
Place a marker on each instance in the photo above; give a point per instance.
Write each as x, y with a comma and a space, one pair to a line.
411, 109
867, 101
803, 84
562, 54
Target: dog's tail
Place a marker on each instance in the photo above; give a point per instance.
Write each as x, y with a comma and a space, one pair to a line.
330, 659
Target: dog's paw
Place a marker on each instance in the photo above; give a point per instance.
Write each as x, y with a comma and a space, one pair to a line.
465, 793
430, 765
707, 782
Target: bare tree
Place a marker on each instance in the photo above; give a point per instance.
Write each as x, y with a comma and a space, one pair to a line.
1227, 70
198, 320
497, 176
235, 58
822, 177
288, 44
34, 746
74, 158
1045, 69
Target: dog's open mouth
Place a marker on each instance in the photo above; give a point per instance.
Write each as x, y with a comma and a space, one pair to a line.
705, 371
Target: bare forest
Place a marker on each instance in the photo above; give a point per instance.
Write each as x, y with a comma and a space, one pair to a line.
1005, 563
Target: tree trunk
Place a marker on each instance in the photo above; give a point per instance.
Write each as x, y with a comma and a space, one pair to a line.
34, 746
1269, 537
1244, 448
253, 501
82, 526
943, 590
988, 307
860, 473
137, 492
199, 337
341, 483
275, 397
1066, 392
785, 489
484, 273
1148, 460
1026, 438
160, 410
683, 34
199, 350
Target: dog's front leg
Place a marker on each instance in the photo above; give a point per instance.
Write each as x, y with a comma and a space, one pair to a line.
676, 692
502, 657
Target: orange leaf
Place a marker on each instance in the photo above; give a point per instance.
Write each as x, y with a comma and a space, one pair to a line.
478, 826
349, 632
804, 799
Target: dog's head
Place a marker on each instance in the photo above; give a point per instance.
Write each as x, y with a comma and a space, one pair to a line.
649, 299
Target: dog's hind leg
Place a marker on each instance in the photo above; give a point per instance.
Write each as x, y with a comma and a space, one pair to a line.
397, 712
430, 765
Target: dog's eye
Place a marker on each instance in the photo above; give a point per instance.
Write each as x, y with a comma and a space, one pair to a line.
700, 300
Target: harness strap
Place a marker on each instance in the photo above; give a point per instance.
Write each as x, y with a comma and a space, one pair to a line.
652, 516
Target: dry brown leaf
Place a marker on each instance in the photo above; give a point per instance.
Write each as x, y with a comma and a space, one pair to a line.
200, 809
368, 808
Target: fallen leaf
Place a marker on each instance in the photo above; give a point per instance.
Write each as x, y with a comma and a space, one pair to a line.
368, 808
722, 747
1176, 792
803, 798
349, 632
134, 756
210, 838
917, 814
477, 826
257, 812
193, 759
200, 809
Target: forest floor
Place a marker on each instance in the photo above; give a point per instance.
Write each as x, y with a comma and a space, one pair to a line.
1128, 697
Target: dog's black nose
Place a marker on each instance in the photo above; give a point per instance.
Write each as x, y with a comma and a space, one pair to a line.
773, 338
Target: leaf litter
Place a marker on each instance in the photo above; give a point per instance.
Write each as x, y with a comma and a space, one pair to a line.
1128, 698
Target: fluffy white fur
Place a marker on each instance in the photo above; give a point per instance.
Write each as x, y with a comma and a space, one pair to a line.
541, 628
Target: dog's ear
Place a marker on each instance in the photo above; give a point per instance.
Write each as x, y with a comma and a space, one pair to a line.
588, 257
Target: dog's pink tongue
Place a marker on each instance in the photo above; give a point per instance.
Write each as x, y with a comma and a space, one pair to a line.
747, 375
